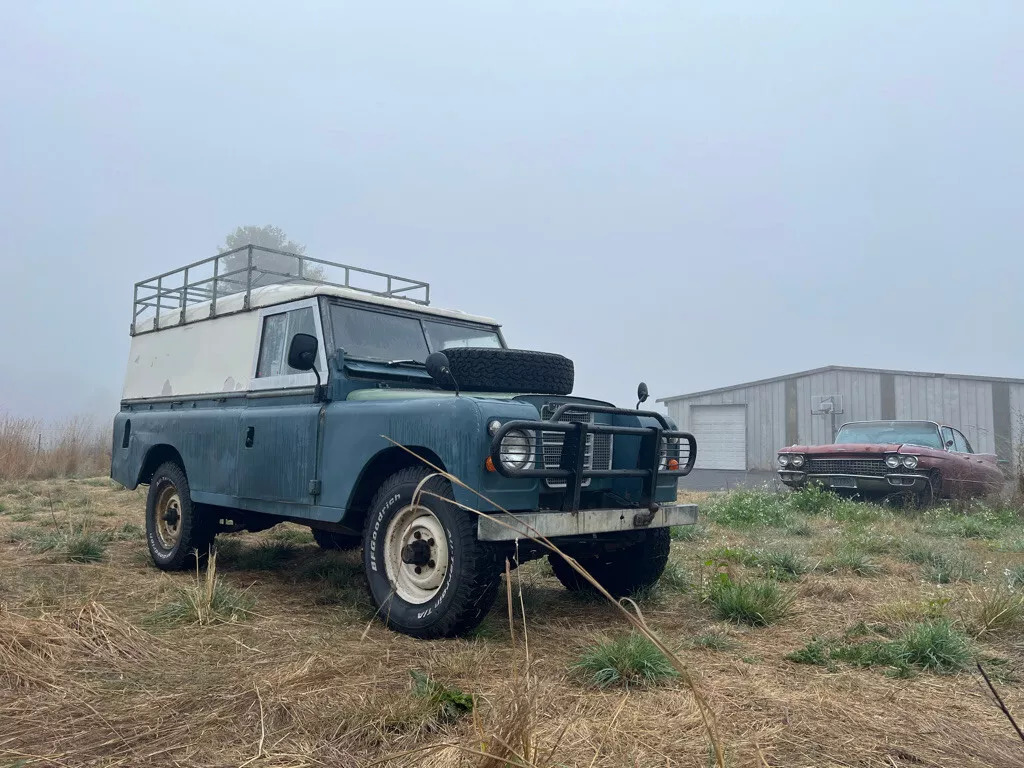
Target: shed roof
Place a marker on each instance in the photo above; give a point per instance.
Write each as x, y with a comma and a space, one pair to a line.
830, 368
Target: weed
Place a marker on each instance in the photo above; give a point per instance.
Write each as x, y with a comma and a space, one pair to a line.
266, 556
1014, 576
911, 611
290, 534
631, 660
74, 543
23, 516
749, 509
849, 558
206, 601
946, 569
447, 703
935, 645
674, 578
801, 528
812, 499
127, 532
713, 641
997, 610
783, 565
739, 555
815, 652
688, 532
756, 602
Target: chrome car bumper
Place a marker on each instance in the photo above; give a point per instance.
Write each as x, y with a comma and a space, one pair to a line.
895, 481
524, 525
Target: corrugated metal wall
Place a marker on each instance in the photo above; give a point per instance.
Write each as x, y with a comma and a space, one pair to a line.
963, 403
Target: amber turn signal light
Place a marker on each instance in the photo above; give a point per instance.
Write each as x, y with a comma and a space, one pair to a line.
489, 464
673, 465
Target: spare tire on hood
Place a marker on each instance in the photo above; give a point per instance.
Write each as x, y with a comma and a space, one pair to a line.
486, 369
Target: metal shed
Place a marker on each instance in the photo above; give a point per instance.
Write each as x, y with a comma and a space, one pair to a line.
742, 427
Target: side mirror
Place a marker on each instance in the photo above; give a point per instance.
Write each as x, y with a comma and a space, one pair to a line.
438, 367
302, 352
641, 394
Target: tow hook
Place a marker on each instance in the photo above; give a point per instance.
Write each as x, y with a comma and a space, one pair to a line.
643, 519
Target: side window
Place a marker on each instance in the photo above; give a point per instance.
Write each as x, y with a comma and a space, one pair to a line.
278, 331
947, 438
960, 443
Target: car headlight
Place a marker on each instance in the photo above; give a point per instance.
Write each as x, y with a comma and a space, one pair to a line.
910, 462
797, 460
784, 460
892, 461
517, 449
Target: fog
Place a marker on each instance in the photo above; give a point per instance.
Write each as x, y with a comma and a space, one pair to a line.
692, 195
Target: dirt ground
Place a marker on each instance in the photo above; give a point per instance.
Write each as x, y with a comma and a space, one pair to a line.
95, 670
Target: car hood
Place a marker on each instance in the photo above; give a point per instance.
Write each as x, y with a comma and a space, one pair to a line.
847, 448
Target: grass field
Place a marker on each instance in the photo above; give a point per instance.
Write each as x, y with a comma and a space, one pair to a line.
822, 633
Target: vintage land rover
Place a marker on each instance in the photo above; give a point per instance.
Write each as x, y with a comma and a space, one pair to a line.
264, 387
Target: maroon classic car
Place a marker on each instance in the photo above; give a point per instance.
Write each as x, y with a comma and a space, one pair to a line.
877, 459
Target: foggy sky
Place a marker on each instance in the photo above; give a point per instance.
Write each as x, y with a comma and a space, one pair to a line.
694, 195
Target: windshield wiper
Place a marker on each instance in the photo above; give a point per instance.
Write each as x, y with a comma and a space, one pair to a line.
393, 363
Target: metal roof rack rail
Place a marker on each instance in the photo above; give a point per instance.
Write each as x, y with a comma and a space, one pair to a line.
240, 270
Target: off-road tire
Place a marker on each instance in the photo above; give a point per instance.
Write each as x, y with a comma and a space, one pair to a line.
197, 529
471, 582
340, 542
479, 369
622, 572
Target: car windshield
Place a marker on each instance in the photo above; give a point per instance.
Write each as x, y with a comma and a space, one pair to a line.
896, 432
370, 335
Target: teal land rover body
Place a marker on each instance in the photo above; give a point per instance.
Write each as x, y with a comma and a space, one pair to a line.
265, 387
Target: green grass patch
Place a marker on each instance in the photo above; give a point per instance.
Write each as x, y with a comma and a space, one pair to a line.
713, 641
935, 646
23, 516
727, 554
948, 569
630, 660
1015, 576
74, 543
800, 527
750, 509
757, 602
674, 578
290, 534
208, 600
783, 564
447, 704
695, 532
850, 558
997, 610
265, 556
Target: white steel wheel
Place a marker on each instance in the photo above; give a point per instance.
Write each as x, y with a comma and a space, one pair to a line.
168, 517
415, 554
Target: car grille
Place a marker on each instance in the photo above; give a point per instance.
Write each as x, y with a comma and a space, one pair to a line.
817, 466
597, 453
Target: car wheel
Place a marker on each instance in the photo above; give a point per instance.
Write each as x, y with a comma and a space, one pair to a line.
176, 532
621, 571
336, 541
427, 572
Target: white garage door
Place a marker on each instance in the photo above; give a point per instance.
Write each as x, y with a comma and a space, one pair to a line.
721, 432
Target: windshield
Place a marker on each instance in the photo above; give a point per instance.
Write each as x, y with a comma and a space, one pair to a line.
370, 335
898, 432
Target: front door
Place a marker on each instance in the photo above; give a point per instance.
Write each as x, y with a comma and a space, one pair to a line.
279, 430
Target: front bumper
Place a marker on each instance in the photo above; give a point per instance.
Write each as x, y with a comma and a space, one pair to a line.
890, 483
572, 468
525, 525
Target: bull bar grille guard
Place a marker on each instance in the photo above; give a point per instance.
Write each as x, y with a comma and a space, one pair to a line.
571, 467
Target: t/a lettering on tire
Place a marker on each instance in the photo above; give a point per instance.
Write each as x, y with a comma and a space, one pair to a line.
427, 572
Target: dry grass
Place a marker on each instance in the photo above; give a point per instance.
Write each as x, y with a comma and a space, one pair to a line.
86, 679
30, 449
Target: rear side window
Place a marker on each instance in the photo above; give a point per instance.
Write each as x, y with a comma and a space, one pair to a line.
278, 331
960, 444
947, 438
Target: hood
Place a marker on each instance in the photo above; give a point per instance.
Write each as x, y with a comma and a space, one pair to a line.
844, 448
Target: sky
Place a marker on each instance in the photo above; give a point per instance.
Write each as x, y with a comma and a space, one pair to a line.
693, 195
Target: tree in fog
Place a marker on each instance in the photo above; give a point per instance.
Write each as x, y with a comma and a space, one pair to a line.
267, 236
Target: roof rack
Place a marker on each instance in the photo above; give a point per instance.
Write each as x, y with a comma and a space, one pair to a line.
240, 270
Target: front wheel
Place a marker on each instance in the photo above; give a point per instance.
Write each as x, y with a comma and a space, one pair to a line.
427, 572
174, 528
622, 569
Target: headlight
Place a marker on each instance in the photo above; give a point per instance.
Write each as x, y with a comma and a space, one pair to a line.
517, 450
783, 460
910, 462
797, 460
892, 461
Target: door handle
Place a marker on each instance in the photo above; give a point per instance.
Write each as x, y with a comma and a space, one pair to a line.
250, 433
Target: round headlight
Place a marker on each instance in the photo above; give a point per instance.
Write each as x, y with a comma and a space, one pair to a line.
783, 460
892, 462
517, 449
910, 462
493, 427
797, 460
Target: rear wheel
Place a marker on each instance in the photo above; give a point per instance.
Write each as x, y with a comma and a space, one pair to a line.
336, 541
623, 570
427, 572
176, 531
